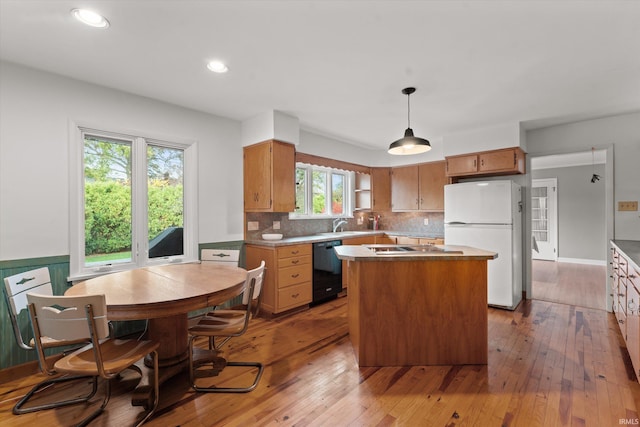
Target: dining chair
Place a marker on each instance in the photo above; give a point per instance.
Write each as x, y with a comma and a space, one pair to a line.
85, 317
225, 324
227, 257
15, 292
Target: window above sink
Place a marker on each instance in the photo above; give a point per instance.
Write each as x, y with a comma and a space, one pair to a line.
323, 192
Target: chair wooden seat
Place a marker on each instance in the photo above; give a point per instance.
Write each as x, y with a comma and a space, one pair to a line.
117, 356
77, 317
224, 324
219, 320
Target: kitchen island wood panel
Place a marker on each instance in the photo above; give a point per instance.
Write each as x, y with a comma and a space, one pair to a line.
418, 310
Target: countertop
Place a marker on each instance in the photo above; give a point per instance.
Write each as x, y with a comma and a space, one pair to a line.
362, 253
340, 235
631, 248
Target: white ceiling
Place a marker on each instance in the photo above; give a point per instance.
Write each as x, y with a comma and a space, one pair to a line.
339, 66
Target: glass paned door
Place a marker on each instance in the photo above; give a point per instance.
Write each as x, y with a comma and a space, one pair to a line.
544, 219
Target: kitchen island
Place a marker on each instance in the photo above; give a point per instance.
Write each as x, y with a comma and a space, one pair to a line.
420, 306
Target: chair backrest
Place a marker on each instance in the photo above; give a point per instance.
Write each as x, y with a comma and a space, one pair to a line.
15, 290
220, 256
256, 274
69, 317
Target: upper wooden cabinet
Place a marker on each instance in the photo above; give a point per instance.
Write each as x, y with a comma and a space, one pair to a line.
418, 187
432, 182
381, 189
507, 161
269, 177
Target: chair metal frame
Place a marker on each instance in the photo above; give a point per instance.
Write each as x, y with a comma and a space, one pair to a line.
15, 290
228, 324
65, 317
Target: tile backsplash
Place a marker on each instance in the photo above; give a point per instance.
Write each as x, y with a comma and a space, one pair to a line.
410, 222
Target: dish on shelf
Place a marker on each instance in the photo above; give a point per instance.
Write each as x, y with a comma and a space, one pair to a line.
272, 236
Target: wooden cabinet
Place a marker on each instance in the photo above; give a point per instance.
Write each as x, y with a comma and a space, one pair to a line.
408, 240
404, 188
418, 187
364, 240
462, 165
435, 241
385, 240
432, 181
626, 303
288, 275
269, 177
381, 189
507, 161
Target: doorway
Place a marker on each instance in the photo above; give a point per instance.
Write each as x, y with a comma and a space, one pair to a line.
569, 229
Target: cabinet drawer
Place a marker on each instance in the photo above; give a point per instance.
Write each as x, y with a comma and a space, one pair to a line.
387, 240
295, 250
622, 296
293, 275
432, 241
294, 296
293, 261
633, 278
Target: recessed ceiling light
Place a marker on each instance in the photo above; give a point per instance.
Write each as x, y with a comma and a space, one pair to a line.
90, 18
217, 67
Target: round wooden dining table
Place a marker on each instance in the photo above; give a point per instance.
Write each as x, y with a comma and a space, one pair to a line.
165, 295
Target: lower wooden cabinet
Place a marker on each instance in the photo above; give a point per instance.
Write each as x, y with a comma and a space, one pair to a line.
364, 240
405, 240
288, 276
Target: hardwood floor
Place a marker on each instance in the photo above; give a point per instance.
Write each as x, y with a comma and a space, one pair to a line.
566, 283
549, 365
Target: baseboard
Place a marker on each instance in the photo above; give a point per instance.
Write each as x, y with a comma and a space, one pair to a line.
582, 261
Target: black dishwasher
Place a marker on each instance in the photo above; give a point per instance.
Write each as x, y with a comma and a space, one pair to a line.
327, 271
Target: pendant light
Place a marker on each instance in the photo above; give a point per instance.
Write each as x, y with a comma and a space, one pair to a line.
409, 144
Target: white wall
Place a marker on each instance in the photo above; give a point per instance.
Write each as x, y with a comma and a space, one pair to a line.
623, 132
484, 139
35, 111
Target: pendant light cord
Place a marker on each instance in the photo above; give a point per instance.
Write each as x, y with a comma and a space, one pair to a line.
408, 111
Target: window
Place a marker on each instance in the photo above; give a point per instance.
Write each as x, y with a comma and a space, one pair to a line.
133, 202
322, 192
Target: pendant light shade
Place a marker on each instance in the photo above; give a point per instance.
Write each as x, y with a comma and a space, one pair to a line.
409, 144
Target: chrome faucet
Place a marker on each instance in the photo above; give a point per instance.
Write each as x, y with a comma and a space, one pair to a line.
338, 222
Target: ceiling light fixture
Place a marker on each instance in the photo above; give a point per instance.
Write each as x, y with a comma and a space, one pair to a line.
217, 67
90, 18
409, 144
595, 177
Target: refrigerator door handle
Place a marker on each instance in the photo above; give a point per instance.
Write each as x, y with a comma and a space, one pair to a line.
456, 223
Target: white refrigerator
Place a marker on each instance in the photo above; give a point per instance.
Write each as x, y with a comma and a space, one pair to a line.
488, 215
